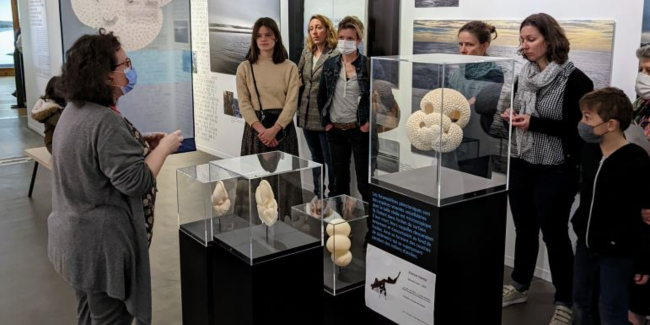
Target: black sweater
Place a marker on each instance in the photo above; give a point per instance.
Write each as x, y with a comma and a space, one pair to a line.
578, 84
613, 226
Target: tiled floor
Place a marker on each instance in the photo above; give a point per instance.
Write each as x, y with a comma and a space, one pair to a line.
32, 293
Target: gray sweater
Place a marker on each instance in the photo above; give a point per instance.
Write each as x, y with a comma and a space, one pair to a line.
97, 238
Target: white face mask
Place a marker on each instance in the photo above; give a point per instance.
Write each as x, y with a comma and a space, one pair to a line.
643, 85
347, 47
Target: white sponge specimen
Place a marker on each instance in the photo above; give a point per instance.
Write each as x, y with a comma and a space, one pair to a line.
338, 227
267, 206
433, 131
339, 244
418, 132
447, 140
342, 260
439, 122
220, 200
451, 102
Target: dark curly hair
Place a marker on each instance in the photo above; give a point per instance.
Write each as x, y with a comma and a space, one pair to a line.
87, 67
53, 91
557, 44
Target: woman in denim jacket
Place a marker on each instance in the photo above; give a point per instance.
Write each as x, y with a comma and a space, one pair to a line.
344, 105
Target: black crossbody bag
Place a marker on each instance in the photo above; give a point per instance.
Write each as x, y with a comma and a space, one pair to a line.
270, 117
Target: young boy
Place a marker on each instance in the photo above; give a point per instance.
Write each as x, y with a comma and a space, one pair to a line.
613, 247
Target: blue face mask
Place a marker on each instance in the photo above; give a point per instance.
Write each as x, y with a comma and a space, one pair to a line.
132, 76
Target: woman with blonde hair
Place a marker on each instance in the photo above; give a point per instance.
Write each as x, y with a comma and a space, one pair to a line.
320, 46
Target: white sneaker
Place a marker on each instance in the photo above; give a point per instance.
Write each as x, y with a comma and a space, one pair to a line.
511, 296
562, 316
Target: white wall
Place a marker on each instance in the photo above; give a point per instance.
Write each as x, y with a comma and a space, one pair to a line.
626, 13
34, 84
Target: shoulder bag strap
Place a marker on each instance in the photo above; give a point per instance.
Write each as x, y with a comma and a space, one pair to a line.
256, 91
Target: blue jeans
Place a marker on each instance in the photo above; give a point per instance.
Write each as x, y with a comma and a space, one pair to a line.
320, 153
601, 288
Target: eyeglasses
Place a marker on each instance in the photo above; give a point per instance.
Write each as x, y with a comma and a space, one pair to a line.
126, 63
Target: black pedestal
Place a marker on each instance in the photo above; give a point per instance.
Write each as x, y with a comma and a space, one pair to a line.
349, 308
217, 287
466, 256
470, 250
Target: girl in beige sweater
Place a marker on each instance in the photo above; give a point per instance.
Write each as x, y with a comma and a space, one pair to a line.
267, 87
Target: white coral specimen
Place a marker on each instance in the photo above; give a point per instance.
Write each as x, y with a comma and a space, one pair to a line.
220, 200
267, 206
451, 102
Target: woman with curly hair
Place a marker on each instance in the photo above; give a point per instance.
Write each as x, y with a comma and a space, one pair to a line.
96, 235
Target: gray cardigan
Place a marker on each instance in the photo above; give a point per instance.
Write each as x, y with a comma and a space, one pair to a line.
97, 238
308, 115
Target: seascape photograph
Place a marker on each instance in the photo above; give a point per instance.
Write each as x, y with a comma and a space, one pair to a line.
645, 28
231, 27
592, 42
435, 3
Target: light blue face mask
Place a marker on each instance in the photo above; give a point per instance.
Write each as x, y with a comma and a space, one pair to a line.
132, 76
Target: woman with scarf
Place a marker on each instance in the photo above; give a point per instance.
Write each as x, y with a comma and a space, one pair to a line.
546, 155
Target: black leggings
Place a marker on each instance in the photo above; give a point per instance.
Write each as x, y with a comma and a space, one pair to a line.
541, 198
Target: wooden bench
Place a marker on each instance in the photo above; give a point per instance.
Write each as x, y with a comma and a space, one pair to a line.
41, 157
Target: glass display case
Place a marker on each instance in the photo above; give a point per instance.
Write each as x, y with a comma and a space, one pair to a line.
438, 134
244, 204
345, 223
193, 193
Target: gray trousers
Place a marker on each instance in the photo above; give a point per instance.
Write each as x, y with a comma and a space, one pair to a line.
100, 309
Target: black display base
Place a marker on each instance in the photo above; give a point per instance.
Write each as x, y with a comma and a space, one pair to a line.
467, 256
349, 308
471, 246
217, 287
